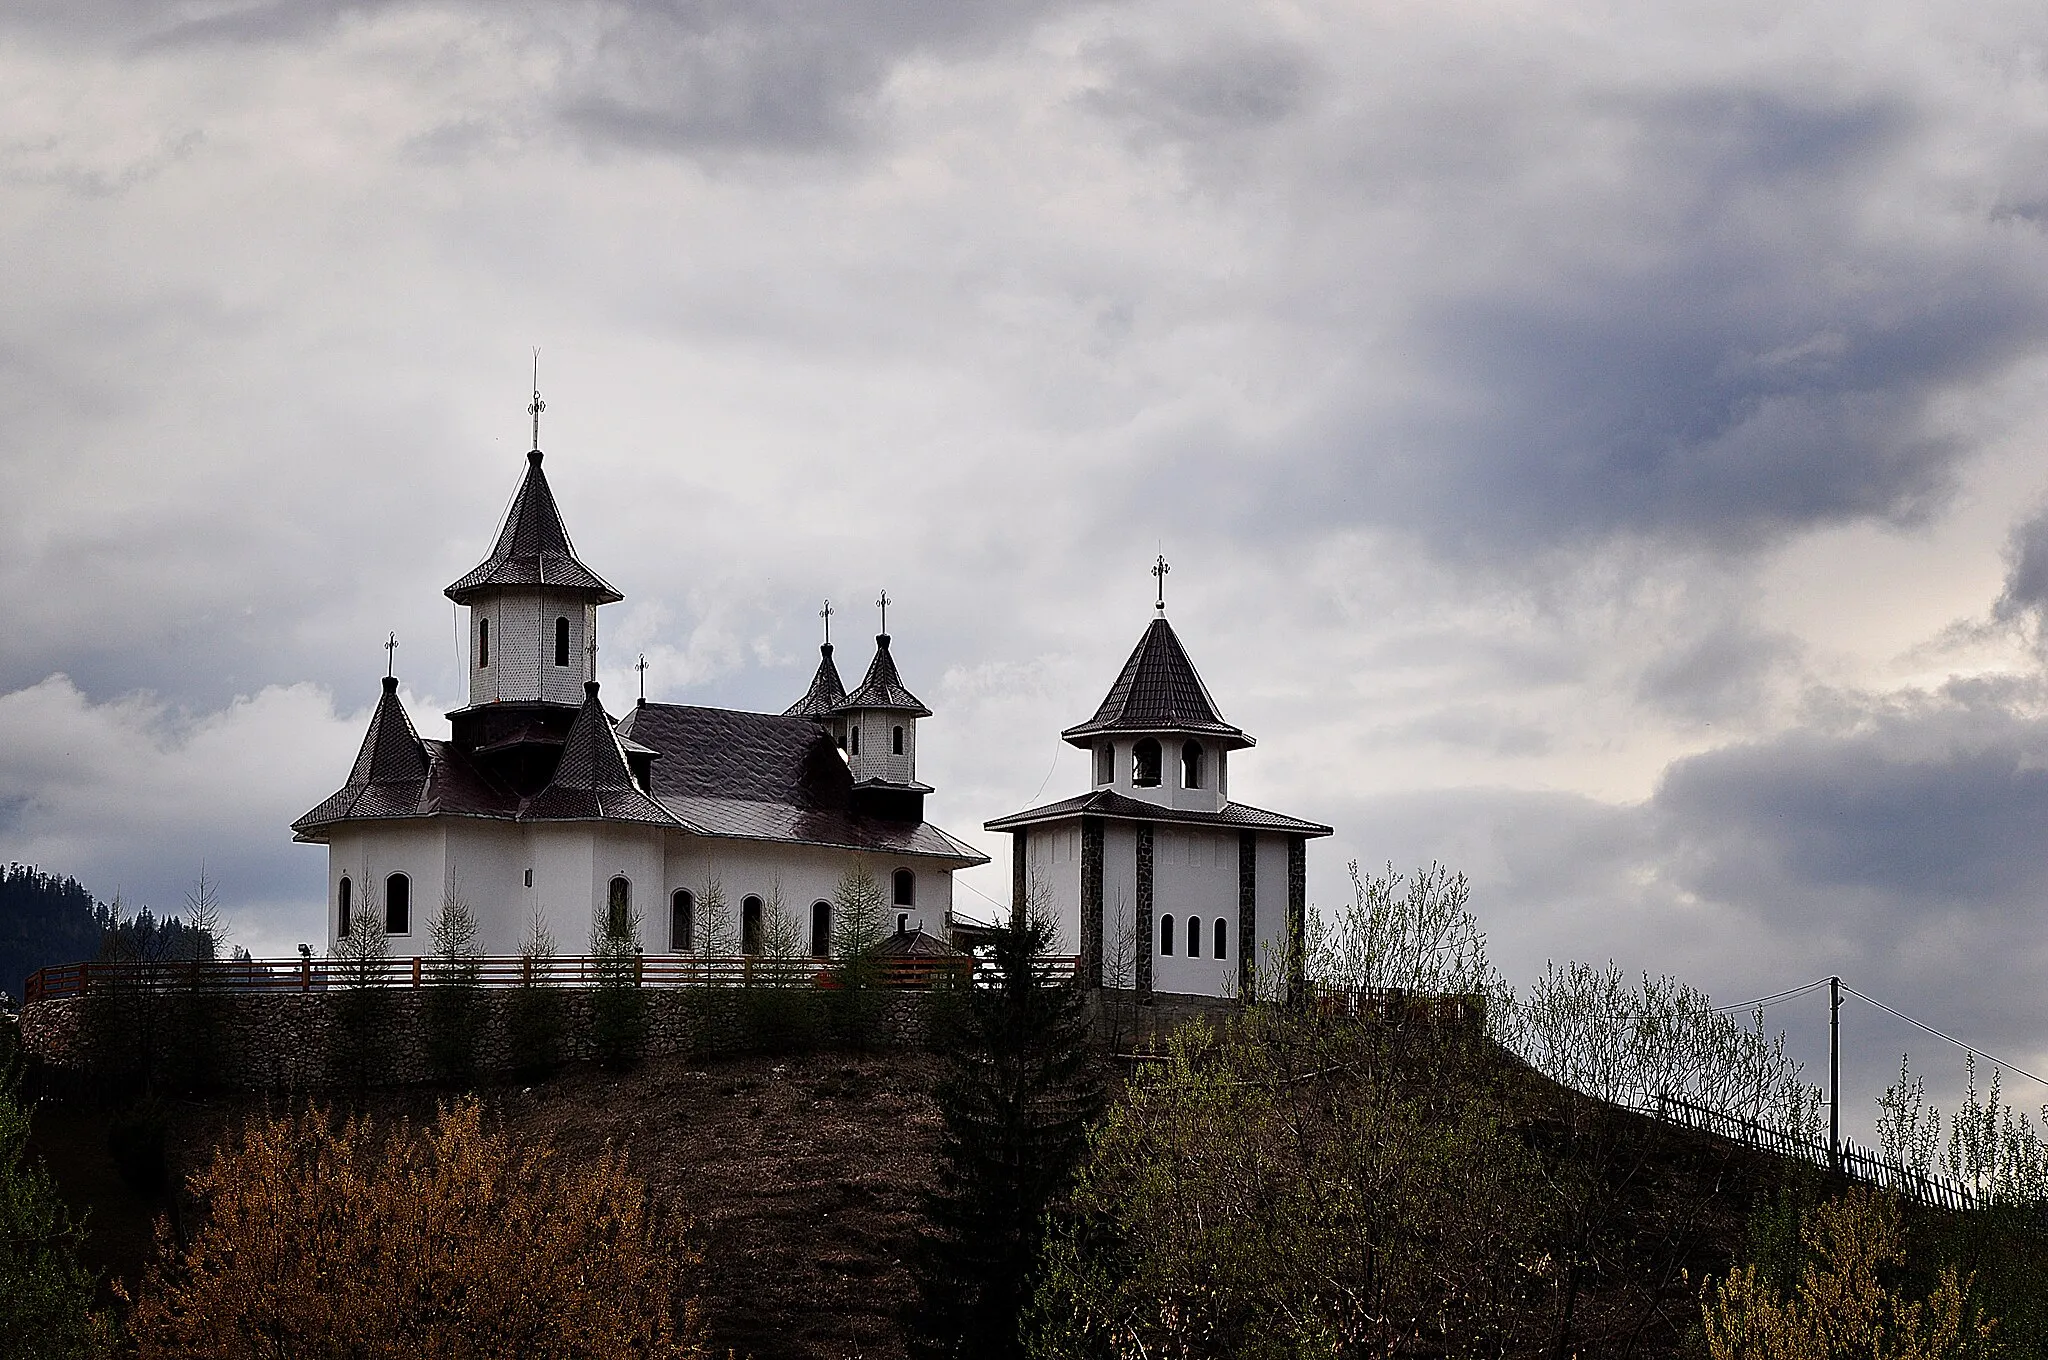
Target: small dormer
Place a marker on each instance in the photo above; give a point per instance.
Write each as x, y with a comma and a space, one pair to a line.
1157, 736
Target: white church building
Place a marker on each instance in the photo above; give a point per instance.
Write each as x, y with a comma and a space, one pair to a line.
1155, 878
540, 802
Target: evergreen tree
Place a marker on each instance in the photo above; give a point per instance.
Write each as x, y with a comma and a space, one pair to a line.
454, 1000
44, 920
618, 1008
535, 1018
1021, 1088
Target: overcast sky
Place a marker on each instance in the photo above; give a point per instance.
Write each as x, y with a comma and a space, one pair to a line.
1599, 447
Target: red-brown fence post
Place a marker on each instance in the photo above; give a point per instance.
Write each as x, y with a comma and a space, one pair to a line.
305, 972
415, 970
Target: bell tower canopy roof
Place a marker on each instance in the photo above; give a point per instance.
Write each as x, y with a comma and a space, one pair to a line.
533, 549
1158, 691
882, 687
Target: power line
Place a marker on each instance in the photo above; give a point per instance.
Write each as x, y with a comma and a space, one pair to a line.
1974, 1052
1774, 1000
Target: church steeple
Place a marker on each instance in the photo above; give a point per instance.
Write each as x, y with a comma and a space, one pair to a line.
876, 726
532, 605
827, 691
1157, 735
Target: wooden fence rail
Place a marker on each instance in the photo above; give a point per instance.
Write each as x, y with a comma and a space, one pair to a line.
650, 970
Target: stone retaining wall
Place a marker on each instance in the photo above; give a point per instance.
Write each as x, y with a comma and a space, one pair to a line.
294, 1040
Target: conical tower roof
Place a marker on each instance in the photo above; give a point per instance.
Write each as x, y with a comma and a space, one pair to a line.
881, 687
533, 548
593, 781
390, 774
826, 693
1158, 691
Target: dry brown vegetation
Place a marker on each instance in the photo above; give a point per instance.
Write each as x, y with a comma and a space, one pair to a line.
344, 1237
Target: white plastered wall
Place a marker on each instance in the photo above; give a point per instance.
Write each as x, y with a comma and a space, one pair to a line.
368, 855
1209, 797
803, 874
1194, 876
1052, 867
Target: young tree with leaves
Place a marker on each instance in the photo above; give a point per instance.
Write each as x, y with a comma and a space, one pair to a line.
1020, 1088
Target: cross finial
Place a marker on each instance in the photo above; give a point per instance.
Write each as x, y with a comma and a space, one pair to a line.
884, 603
390, 656
826, 615
641, 666
1159, 570
536, 406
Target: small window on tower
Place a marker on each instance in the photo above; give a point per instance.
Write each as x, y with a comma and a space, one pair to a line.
896, 741
1145, 764
483, 644
561, 642
905, 883
1191, 765
855, 736
1194, 937
1105, 764
342, 897
1166, 935
1222, 939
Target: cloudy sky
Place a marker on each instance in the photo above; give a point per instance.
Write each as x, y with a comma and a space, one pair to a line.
1599, 447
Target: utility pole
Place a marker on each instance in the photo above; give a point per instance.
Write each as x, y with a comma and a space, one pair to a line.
1835, 1075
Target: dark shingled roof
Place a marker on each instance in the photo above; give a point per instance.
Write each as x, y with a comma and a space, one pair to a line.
826, 693
1158, 691
593, 781
755, 776
882, 687
533, 548
1106, 803
390, 774
753, 757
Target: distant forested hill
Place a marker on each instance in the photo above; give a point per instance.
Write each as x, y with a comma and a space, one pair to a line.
44, 920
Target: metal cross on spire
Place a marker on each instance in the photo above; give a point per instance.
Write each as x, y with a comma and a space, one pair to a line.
641, 666
826, 615
391, 656
1159, 570
884, 603
536, 406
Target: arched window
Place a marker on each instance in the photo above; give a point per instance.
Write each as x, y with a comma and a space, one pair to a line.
1191, 765
1194, 937
1145, 764
1105, 764
905, 883
1166, 935
1222, 939
682, 920
398, 905
855, 734
562, 641
750, 925
483, 643
821, 929
344, 898
895, 741
618, 909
